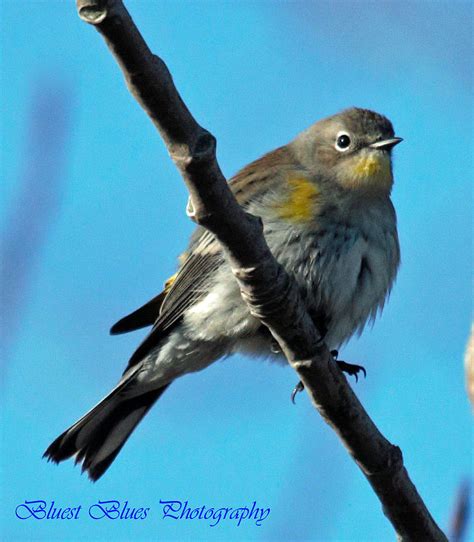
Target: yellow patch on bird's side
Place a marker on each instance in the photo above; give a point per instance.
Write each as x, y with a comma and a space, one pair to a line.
170, 281
299, 206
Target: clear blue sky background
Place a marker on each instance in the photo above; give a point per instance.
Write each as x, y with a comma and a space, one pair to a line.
102, 232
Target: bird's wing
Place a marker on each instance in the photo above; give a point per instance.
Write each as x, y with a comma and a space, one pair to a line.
190, 285
142, 317
199, 262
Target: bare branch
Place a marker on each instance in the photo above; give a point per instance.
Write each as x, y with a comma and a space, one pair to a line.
269, 292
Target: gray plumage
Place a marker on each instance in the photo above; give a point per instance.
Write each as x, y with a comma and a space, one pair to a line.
328, 219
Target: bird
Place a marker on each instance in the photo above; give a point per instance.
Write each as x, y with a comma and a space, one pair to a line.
324, 201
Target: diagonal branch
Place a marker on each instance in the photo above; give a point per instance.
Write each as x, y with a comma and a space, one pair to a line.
270, 293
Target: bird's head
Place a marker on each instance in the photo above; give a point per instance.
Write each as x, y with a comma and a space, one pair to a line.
352, 148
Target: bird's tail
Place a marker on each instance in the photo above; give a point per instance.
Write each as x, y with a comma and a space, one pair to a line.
97, 438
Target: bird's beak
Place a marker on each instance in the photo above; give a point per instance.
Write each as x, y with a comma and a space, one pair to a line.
386, 144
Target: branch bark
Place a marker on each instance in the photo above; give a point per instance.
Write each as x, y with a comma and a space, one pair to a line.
270, 293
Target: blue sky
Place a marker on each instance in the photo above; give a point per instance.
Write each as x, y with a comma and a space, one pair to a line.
93, 217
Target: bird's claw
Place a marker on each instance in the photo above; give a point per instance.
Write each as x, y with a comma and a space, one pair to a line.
299, 387
275, 347
351, 369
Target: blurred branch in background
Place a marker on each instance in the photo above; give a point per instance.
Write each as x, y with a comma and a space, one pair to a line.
460, 517
469, 366
462, 506
37, 202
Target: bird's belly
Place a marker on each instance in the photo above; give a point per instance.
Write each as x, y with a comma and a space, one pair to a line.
344, 272
354, 284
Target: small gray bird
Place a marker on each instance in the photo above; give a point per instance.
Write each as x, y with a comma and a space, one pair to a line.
324, 200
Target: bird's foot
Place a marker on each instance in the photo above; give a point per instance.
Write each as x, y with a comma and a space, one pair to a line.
299, 387
349, 368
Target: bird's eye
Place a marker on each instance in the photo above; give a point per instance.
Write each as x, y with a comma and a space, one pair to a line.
343, 141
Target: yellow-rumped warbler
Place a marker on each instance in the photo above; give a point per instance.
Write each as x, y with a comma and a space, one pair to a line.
328, 219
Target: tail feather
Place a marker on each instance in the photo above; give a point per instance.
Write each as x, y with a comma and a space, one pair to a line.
97, 438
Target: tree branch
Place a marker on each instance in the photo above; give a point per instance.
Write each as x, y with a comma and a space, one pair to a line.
270, 293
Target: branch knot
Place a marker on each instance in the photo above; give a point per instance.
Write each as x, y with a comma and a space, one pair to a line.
204, 147
393, 463
92, 11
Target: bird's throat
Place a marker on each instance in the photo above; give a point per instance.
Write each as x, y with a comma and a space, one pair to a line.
370, 171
